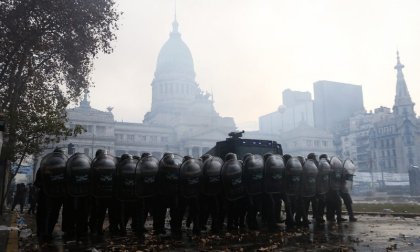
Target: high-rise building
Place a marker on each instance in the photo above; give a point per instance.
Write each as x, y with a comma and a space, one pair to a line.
335, 102
297, 109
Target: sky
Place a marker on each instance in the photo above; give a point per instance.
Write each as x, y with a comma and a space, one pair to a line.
246, 52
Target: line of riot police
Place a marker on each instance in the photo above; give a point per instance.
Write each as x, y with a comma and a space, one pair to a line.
200, 190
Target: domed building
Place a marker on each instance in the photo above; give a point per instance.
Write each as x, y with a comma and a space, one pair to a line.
177, 100
182, 118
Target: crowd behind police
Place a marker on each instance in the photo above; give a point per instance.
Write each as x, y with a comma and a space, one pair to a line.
208, 192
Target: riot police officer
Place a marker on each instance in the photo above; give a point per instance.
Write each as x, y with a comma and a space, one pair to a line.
293, 188
322, 187
211, 198
274, 189
146, 189
102, 179
125, 191
254, 181
333, 196
78, 188
307, 192
190, 173
346, 186
53, 167
234, 191
168, 194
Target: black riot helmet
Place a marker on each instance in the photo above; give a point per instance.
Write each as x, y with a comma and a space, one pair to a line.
231, 156
286, 158
58, 150
205, 157
267, 155
186, 158
190, 173
246, 156
125, 156
311, 156
301, 160
99, 152
145, 154
323, 156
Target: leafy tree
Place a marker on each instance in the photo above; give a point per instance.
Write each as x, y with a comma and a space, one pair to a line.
47, 49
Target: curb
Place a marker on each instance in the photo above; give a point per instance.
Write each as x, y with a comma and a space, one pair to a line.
13, 241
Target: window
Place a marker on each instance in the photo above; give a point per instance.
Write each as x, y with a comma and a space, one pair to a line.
130, 138
100, 130
119, 136
316, 143
153, 139
164, 139
324, 143
309, 143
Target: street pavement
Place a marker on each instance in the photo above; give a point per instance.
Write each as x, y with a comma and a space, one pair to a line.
370, 233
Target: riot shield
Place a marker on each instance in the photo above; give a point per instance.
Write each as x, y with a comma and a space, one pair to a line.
53, 170
274, 174
168, 174
125, 179
323, 180
293, 176
77, 175
336, 174
233, 185
102, 175
309, 176
146, 172
253, 174
211, 183
348, 174
190, 174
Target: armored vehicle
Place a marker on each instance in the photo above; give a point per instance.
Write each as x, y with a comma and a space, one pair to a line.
235, 144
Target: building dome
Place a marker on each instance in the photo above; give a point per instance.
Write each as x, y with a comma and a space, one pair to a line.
175, 56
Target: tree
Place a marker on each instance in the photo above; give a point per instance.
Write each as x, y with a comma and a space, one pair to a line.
47, 49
